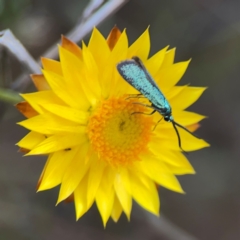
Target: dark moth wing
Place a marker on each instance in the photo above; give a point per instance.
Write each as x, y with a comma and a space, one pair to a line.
134, 72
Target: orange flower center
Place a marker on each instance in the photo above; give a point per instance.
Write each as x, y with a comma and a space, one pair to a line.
118, 132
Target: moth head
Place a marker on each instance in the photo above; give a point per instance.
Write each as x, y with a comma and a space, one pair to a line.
168, 118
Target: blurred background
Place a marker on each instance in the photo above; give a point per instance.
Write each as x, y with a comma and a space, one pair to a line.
208, 31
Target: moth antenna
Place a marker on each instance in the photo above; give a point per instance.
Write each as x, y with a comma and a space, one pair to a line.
178, 135
179, 125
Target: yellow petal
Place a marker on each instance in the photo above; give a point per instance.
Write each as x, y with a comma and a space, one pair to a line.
172, 92
57, 143
186, 97
174, 159
94, 177
42, 173
179, 161
75, 77
153, 63
113, 37
167, 139
40, 82
50, 124
31, 140
74, 172
145, 192
140, 47
186, 118
157, 170
57, 164
116, 210
120, 48
118, 54
64, 91
68, 113
126, 180
105, 195
71, 47
80, 197
41, 98
100, 54
169, 76
93, 87
169, 58
119, 86
124, 197
179, 170
26, 109
52, 66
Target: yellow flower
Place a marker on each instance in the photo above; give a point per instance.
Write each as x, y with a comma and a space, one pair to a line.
98, 151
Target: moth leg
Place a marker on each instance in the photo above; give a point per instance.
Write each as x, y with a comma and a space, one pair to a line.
145, 105
135, 96
151, 113
157, 123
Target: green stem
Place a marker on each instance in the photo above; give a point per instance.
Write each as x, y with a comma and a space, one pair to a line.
9, 96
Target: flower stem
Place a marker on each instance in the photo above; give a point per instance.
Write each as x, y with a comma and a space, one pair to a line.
9, 96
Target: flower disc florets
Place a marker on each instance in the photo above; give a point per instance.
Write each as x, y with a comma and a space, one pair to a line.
119, 131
